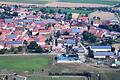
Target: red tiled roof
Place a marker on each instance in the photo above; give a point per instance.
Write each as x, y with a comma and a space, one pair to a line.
93, 30
2, 20
20, 39
42, 24
18, 32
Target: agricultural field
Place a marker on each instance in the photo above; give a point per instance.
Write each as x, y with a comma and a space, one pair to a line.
108, 2
30, 1
55, 78
112, 2
110, 76
23, 63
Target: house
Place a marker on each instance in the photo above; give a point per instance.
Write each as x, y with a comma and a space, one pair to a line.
44, 31
12, 36
75, 30
79, 50
83, 18
101, 32
101, 48
14, 43
93, 30
9, 20
40, 40
103, 54
70, 42
1, 10
75, 15
96, 23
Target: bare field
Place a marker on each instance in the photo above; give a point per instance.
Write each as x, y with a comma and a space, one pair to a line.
70, 5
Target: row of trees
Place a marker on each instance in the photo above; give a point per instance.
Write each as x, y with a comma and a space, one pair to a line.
111, 27
33, 47
8, 14
12, 50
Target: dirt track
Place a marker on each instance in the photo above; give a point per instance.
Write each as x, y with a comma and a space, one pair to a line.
57, 4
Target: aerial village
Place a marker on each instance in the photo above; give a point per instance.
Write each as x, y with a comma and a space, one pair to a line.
73, 38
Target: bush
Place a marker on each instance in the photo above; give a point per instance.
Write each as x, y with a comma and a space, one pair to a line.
2, 51
20, 48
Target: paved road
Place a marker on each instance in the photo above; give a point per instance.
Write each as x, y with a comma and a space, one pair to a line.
82, 56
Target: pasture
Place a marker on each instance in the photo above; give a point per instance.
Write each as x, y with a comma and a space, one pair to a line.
23, 63
107, 2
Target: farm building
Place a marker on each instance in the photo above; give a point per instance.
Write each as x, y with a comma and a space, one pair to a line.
100, 48
70, 42
103, 54
68, 58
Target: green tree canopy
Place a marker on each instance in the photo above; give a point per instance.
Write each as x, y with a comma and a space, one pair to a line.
89, 37
32, 45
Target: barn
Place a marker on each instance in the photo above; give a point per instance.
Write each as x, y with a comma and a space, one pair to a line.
103, 54
101, 48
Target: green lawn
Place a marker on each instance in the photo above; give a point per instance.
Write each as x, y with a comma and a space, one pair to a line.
23, 63
112, 2
55, 78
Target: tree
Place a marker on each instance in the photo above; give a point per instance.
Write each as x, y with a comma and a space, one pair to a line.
47, 26
56, 42
59, 11
66, 33
20, 48
51, 11
89, 37
92, 38
12, 49
2, 51
15, 14
58, 34
85, 35
43, 10
25, 42
32, 45
112, 49
47, 41
0, 33
38, 49
69, 16
90, 53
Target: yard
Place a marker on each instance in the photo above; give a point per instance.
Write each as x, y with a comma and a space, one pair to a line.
111, 2
23, 63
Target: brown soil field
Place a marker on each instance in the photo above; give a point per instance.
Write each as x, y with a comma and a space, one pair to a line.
57, 4
72, 5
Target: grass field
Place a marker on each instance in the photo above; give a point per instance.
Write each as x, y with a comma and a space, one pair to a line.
110, 76
23, 63
111, 2
55, 78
